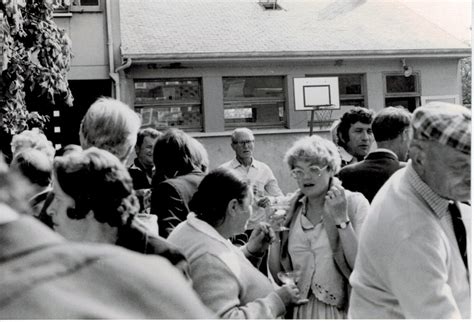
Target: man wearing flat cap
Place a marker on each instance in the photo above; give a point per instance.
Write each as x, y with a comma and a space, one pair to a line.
414, 251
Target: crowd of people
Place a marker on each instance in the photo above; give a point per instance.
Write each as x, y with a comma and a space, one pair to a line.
378, 227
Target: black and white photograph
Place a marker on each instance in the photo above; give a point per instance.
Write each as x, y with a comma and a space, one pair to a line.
235, 159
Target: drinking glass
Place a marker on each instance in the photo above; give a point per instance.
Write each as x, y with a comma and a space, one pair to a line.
290, 278
275, 216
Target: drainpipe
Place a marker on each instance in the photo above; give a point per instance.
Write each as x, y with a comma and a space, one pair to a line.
127, 64
110, 47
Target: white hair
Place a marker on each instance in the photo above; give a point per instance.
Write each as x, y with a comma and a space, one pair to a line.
111, 125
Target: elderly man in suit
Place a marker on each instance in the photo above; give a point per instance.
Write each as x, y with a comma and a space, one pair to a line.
412, 260
390, 128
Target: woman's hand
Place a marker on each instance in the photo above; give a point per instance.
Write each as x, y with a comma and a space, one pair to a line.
262, 236
336, 202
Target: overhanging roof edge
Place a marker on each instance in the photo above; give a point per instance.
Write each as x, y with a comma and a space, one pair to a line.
296, 56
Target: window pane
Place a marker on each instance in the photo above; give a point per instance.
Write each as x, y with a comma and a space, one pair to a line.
239, 87
167, 103
161, 118
401, 84
254, 114
254, 101
167, 91
350, 84
85, 3
410, 103
354, 102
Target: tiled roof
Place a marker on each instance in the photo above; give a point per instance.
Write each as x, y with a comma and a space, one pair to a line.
242, 28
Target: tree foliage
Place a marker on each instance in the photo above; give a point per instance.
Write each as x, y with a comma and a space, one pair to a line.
36, 58
466, 77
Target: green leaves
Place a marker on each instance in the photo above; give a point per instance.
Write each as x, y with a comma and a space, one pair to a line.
36, 58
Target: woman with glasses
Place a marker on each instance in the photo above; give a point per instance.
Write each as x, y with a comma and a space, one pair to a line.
324, 221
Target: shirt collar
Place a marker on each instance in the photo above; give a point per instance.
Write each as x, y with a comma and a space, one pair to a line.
437, 203
306, 224
236, 164
345, 156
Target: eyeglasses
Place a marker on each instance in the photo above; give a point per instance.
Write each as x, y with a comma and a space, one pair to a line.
244, 143
314, 171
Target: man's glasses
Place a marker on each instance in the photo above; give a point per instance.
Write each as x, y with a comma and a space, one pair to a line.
244, 143
314, 171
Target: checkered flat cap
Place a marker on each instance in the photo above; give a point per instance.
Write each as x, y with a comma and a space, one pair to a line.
448, 124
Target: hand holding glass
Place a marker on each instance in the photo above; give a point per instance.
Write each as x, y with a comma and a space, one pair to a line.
290, 278
275, 216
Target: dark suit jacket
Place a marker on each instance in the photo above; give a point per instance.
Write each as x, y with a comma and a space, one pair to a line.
44, 277
369, 175
170, 198
138, 174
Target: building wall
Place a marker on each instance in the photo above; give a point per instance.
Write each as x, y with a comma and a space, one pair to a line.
438, 77
270, 147
88, 34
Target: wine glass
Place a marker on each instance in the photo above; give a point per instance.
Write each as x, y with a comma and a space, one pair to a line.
290, 278
275, 216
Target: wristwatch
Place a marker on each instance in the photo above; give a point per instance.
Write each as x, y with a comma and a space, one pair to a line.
343, 225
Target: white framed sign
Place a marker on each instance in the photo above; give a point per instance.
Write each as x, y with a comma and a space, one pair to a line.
316, 92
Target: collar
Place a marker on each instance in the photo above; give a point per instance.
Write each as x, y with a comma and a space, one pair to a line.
236, 164
385, 151
438, 204
207, 229
345, 156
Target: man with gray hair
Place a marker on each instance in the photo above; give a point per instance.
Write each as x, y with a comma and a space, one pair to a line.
110, 125
412, 259
258, 174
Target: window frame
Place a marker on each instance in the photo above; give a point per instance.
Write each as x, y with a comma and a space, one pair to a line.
83, 8
256, 102
416, 95
169, 104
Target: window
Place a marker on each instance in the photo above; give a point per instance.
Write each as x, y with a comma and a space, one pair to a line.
351, 89
401, 90
85, 5
254, 101
167, 103
352, 92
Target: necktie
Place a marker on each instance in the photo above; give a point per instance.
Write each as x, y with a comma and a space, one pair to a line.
459, 230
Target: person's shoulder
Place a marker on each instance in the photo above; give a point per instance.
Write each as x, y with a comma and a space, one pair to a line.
356, 198
262, 166
228, 164
351, 168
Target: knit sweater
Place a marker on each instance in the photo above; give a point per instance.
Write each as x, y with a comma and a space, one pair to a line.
222, 276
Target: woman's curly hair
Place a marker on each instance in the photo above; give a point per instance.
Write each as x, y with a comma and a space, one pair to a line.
97, 181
